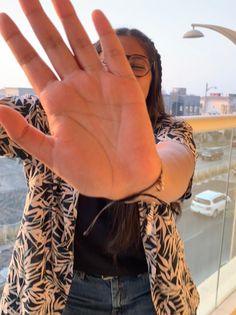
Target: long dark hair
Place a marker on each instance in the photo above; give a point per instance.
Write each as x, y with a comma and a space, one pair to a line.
125, 230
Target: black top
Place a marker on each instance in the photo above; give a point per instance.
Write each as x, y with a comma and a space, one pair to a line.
90, 251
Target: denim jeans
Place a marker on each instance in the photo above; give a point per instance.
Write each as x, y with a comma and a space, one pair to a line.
128, 295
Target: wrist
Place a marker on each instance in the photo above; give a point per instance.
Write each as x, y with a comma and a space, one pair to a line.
148, 194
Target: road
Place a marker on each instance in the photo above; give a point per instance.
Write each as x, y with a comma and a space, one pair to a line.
203, 164
12, 198
202, 235
12, 191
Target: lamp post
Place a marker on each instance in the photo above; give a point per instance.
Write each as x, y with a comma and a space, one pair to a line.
205, 97
230, 34
194, 33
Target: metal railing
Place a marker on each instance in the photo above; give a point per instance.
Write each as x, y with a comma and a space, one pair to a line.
210, 123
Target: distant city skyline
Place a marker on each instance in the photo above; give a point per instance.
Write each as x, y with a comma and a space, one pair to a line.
177, 103
187, 63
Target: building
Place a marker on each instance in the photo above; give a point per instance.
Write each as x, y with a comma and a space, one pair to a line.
178, 103
217, 104
167, 102
15, 91
232, 102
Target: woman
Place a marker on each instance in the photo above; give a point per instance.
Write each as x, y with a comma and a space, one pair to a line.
94, 136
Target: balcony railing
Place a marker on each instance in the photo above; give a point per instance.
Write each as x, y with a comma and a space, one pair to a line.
208, 223
211, 123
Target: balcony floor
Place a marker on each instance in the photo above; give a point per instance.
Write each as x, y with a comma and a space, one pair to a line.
228, 307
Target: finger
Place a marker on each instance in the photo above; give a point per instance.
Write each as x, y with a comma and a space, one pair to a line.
29, 138
59, 54
113, 51
38, 73
79, 41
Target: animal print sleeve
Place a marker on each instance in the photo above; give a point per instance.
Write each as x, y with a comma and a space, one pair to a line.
176, 130
180, 131
29, 107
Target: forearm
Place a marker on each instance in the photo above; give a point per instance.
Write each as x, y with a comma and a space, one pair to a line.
178, 164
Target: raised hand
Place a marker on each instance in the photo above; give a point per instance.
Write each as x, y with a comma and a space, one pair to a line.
101, 138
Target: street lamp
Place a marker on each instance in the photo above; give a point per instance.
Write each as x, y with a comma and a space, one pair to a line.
208, 88
230, 34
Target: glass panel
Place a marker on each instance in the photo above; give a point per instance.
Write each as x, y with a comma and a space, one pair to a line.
227, 274
201, 227
12, 196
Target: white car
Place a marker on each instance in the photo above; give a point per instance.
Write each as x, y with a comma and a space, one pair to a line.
210, 202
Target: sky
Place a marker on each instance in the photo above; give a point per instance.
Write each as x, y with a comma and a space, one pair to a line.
188, 63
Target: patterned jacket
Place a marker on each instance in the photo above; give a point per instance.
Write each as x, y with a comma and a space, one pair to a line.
41, 268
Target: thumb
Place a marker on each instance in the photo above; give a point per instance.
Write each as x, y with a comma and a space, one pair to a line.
26, 136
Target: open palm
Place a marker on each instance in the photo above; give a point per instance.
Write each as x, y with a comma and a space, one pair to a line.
101, 139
